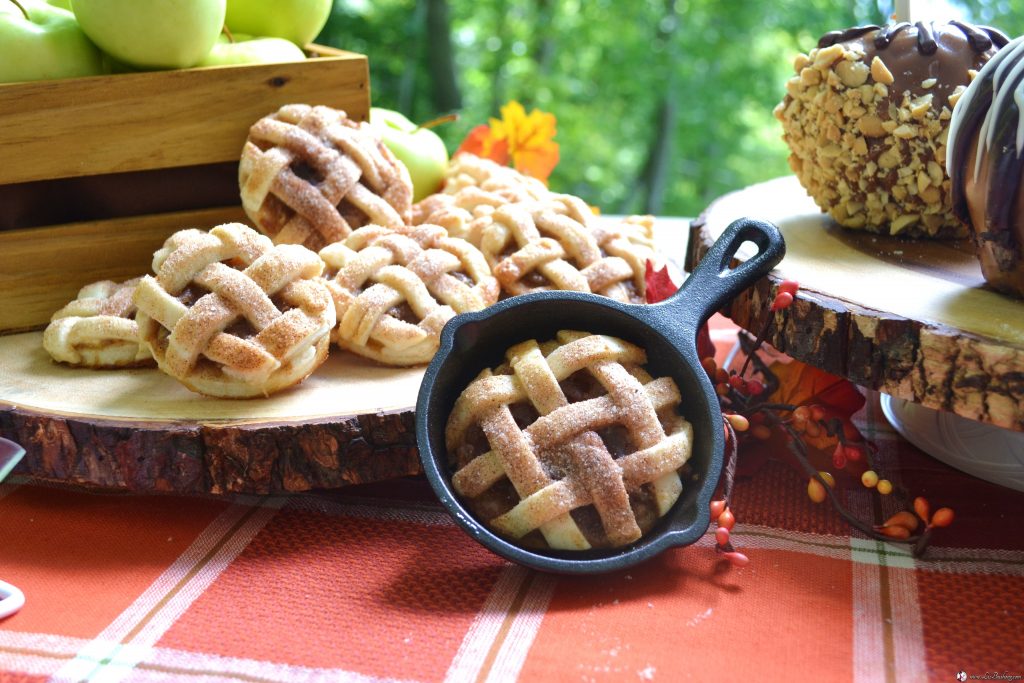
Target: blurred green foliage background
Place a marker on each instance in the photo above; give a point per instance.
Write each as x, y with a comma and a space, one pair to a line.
662, 105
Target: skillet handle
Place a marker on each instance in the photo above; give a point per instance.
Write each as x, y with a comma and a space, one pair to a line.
712, 284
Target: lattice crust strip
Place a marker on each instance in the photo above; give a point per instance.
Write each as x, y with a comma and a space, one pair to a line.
560, 462
98, 329
310, 176
473, 188
231, 314
394, 290
533, 247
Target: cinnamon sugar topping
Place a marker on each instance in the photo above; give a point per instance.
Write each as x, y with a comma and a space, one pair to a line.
593, 470
310, 176
230, 314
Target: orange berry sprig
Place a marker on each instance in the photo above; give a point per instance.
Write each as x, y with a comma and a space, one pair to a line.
899, 527
747, 415
720, 510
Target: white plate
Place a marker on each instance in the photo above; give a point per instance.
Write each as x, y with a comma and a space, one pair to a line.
987, 452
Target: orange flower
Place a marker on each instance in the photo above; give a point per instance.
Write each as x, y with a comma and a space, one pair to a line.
482, 142
525, 140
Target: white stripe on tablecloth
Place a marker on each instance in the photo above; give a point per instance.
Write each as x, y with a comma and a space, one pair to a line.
41, 654
907, 626
38, 654
868, 557
108, 657
867, 619
766, 538
482, 632
525, 625
950, 560
166, 664
972, 561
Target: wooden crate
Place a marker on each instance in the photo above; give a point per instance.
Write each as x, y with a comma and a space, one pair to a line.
96, 172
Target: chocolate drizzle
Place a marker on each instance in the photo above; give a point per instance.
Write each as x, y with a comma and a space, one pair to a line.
988, 119
926, 44
980, 38
889, 33
834, 37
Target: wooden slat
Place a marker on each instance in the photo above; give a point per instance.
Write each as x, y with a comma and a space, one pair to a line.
130, 122
41, 269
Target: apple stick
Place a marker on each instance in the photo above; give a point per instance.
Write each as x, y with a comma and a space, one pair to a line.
227, 32
902, 11
23, 10
433, 123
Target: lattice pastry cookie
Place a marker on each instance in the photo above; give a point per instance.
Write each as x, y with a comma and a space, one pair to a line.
473, 189
533, 247
570, 444
310, 176
469, 170
97, 329
231, 315
394, 291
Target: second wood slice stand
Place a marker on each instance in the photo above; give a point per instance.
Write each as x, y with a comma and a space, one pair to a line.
911, 319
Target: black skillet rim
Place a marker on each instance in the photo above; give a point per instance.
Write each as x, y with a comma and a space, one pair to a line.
656, 541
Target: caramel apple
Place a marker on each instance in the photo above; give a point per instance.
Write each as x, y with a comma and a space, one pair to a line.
985, 143
866, 118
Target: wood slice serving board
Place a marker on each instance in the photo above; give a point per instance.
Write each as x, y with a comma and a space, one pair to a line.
351, 422
911, 319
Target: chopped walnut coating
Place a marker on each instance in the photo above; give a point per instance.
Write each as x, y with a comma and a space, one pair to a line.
873, 158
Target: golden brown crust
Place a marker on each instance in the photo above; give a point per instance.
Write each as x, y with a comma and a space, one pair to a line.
395, 290
229, 314
556, 245
97, 329
561, 461
310, 176
535, 239
473, 189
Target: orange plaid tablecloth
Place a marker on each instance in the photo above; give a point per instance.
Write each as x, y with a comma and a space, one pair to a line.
376, 583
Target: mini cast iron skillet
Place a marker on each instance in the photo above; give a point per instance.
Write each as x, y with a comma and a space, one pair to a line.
667, 330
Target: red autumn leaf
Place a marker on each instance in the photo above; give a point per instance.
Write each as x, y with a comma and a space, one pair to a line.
659, 286
804, 385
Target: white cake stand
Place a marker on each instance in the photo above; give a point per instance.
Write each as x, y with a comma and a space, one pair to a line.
984, 451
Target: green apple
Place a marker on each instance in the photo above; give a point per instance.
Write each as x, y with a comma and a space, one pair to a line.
63, 4
420, 149
42, 43
251, 50
296, 20
154, 34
